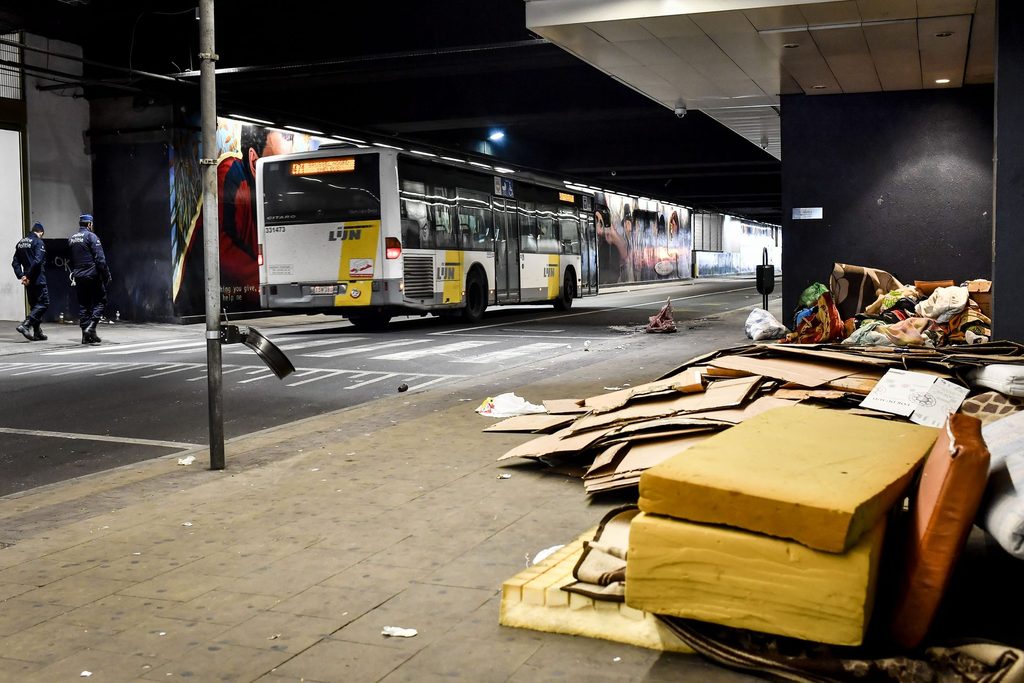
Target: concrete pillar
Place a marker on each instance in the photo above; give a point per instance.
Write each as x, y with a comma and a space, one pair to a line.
1008, 186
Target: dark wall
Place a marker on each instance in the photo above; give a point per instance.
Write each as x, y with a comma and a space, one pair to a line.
132, 213
904, 179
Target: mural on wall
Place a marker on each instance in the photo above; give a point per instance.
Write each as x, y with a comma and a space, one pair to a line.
641, 240
238, 147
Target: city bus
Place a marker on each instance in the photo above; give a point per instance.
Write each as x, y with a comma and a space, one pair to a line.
375, 233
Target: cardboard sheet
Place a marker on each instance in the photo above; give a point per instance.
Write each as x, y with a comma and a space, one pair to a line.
561, 442
805, 372
737, 415
537, 423
720, 394
820, 477
826, 355
564, 406
688, 382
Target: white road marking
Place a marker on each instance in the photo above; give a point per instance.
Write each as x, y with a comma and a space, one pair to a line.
387, 375
102, 437
183, 368
319, 342
88, 349
366, 348
434, 350
257, 379
36, 367
427, 383
497, 356
325, 375
223, 372
167, 345
128, 368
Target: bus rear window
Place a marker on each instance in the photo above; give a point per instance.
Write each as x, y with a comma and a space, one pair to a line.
323, 195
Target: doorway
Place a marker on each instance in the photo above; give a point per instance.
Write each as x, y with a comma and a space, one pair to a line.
12, 221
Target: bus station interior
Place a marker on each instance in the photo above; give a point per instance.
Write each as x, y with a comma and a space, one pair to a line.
881, 133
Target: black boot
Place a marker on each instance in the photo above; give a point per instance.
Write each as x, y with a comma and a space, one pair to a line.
26, 329
37, 332
90, 333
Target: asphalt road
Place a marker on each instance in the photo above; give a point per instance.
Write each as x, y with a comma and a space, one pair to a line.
84, 409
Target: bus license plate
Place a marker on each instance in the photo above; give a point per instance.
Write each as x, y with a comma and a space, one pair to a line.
323, 289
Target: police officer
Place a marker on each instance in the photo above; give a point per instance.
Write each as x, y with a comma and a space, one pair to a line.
29, 265
91, 275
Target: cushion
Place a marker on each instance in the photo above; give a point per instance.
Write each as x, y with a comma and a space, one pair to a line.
1005, 378
943, 508
854, 287
820, 477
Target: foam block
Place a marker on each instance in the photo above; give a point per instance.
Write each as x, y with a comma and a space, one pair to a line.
752, 581
821, 477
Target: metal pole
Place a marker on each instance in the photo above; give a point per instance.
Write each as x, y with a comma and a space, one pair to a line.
211, 231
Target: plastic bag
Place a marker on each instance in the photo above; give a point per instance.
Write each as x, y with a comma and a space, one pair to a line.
508, 405
762, 325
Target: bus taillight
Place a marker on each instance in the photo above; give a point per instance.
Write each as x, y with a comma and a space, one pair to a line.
259, 256
392, 248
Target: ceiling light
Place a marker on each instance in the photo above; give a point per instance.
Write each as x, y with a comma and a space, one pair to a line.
499, 169
496, 135
477, 163
381, 144
305, 130
942, 81
790, 46
944, 34
250, 118
458, 161
422, 154
345, 139
818, 87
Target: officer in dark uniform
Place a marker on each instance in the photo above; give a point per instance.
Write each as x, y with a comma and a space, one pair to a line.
91, 276
29, 265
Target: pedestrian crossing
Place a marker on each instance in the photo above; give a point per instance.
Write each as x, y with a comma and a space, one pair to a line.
474, 352
314, 355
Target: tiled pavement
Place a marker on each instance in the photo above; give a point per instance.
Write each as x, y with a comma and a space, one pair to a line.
286, 566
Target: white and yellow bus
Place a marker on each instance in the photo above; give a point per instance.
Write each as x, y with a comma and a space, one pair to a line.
375, 233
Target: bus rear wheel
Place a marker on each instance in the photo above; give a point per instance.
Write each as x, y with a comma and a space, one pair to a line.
476, 298
568, 293
370, 322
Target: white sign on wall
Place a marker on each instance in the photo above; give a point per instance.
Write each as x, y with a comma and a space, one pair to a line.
807, 213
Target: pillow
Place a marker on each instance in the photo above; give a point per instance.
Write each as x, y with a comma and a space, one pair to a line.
1004, 378
943, 508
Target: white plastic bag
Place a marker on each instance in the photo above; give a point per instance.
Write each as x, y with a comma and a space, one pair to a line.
762, 325
508, 405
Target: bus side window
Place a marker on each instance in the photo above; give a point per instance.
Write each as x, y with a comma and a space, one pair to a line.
547, 230
415, 219
475, 220
570, 227
527, 228
444, 237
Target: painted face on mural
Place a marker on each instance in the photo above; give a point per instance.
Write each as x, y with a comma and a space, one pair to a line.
278, 142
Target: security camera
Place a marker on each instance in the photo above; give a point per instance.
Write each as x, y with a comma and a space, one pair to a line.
680, 111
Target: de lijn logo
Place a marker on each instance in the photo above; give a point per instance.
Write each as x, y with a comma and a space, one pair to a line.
344, 234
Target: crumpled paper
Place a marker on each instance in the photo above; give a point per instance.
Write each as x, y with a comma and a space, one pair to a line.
508, 405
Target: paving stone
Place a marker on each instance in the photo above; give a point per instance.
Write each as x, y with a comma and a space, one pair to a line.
280, 631
17, 614
343, 661
105, 666
221, 606
50, 641
230, 563
585, 655
76, 590
295, 573
17, 670
115, 612
374, 576
180, 585
161, 638
327, 602
469, 659
40, 572
218, 663
10, 590
134, 568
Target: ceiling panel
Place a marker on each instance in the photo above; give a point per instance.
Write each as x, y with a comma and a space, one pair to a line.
886, 10
702, 54
736, 36
619, 31
804, 63
847, 54
895, 54
945, 8
651, 51
822, 13
981, 55
760, 125
943, 57
770, 18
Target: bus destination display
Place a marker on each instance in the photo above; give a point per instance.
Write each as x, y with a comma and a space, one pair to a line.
320, 166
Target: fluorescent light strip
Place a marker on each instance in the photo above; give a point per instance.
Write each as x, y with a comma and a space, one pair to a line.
381, 144
458, 161
499, 169
305, 130
422, 154
345, 139
251, 119
477, 163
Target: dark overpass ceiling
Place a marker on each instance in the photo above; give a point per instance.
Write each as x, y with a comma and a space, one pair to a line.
442, 74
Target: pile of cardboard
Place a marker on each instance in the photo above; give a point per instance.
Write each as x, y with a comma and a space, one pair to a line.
611, 439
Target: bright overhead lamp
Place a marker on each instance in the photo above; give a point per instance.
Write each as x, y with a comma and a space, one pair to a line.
381, 144
477, 163
458, 161
499, 169
250, 119
422, 154
305, 130
942, 81
352, 140
496, 136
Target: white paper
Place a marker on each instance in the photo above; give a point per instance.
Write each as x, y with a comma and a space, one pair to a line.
398, 632
925, 399
1005, 441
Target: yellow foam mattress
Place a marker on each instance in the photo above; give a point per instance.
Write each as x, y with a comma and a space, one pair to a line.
821, 477
752, 581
